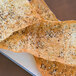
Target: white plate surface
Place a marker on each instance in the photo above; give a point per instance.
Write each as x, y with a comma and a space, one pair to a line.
24, 60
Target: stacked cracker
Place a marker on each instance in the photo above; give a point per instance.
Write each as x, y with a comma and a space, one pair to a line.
36, 30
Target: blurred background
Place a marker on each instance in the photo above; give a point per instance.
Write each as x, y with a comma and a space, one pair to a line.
64, 10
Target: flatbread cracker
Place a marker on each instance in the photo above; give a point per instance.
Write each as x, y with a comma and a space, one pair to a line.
43, 10
19, 14
51, 40
15, 15
50, 68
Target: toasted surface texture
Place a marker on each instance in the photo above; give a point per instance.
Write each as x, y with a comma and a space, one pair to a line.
15, 15
43, 10
51, 40
50, 68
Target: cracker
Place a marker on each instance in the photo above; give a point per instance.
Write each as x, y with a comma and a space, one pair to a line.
51, 40
43, 10
52, 68
15, 15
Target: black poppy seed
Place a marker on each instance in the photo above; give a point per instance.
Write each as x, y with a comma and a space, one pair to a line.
36, 47
55, 70
23, 31
38, 55
19, 17
46, 50
0, 36
43, 66
69, 33
58, 40
59, 56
